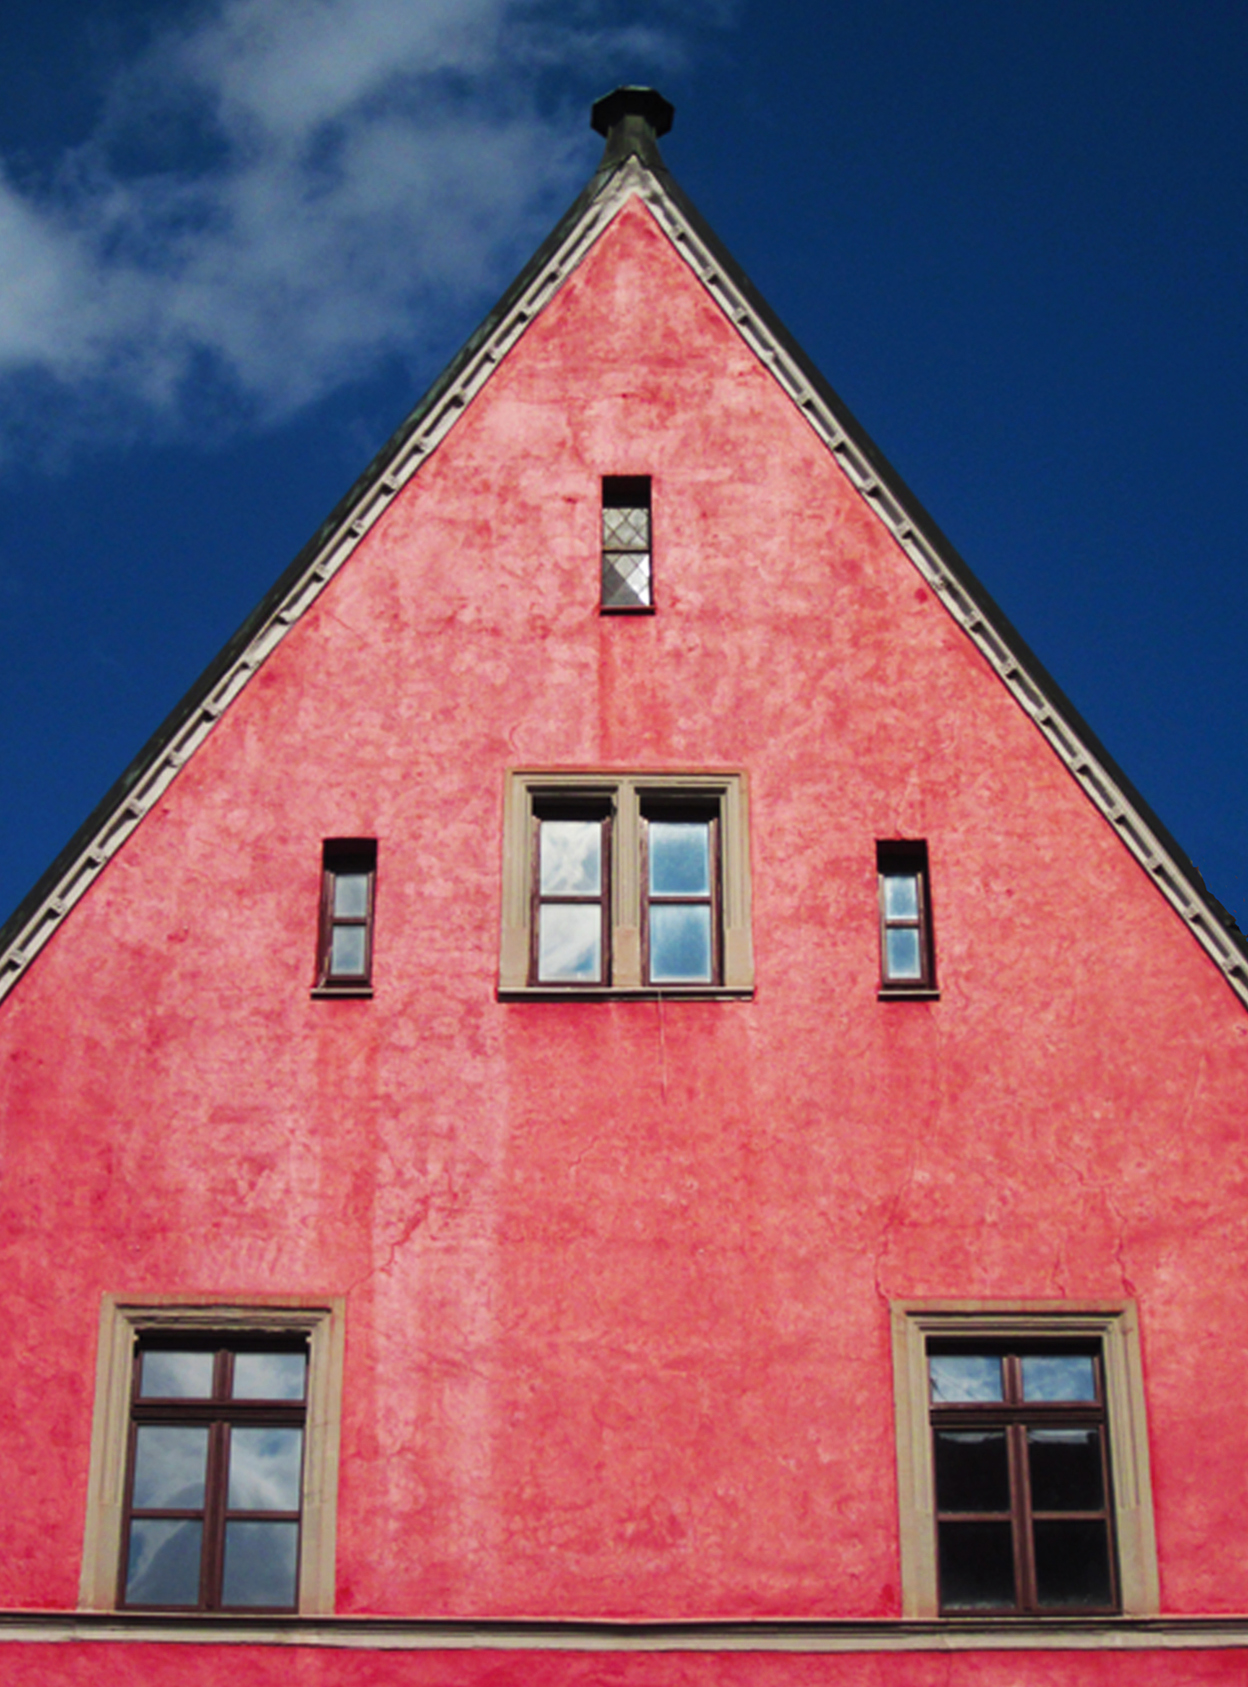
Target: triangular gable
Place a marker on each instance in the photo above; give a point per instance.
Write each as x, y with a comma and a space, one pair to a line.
631, 167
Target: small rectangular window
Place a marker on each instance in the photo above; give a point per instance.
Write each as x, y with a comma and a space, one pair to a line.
627, 559
348, 894
906, 960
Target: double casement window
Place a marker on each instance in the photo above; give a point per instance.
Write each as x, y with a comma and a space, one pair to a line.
1022, 1462
626, 884
214, 1458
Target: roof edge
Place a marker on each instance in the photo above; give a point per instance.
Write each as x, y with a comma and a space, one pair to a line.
162, 756
943, 568
155, 766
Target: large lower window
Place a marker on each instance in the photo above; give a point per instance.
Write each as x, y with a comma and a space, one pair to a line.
1023, 1514
626, 884
215, 1484
1022, 1462
214, 1456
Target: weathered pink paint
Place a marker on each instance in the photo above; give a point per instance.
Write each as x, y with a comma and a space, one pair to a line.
617, 1273
157, 1665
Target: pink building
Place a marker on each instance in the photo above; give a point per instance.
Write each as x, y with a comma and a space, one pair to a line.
624, 1093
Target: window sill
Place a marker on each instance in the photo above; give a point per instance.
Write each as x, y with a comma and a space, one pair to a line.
648, 993
908, 993
626, 609
352, 992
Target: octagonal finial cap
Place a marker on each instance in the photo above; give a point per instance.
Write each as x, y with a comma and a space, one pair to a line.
632, 119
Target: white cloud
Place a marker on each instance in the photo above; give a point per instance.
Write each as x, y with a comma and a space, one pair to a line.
280, 194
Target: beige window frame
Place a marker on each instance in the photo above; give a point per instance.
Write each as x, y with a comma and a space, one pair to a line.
122, 1324
626, 794
1115, 1326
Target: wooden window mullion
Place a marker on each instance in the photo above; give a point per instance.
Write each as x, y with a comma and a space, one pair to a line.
644, 889
605, 897
1020, 1505
214, 1516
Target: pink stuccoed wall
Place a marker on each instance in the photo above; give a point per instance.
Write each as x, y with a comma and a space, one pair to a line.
160, 1665
189, 1665
617, 1273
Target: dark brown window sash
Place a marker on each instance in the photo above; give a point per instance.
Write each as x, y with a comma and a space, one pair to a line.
592, 812
342, 856
906, 859
698, 814
626, 492
1015, 1416
219, 1414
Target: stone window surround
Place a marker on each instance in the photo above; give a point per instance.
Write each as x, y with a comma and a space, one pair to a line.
123, 1319
1115, 1325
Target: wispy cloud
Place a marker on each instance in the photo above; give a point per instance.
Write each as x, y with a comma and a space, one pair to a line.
278, 196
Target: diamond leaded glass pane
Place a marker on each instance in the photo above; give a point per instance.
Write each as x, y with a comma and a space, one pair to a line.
626, 581
626, 529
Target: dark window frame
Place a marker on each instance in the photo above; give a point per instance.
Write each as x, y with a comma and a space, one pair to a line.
588, 807
341, 857
679, 807
906, 858
219, 1414
1014, 1416
1058, 1325
626, 492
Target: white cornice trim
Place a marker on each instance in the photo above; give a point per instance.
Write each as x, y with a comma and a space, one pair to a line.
906, 526
393, 1634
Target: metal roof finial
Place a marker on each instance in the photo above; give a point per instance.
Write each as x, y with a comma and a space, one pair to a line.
632, 119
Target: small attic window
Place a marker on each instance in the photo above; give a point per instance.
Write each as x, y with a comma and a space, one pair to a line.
907, 966
627, 580
345, 940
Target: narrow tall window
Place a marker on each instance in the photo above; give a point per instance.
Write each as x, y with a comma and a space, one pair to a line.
906, 962
627, 581
215, 1475
571, 927
348, 894
680, 895
1023, 1502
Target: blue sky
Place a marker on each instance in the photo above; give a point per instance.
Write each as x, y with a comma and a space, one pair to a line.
239, 237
